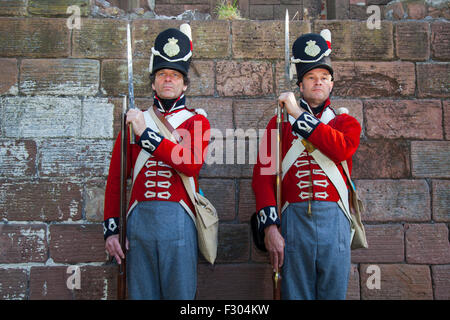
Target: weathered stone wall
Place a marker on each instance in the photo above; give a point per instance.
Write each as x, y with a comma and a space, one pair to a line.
60, 102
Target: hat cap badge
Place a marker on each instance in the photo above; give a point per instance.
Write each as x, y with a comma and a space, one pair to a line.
171, 48
311, 48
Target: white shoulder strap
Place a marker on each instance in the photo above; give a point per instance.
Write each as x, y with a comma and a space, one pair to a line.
294, 152
333, 173
151, 121
178, 118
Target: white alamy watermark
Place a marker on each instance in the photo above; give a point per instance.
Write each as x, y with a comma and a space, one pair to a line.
374, 20
74, 280
74, 21
374, 280
238, 146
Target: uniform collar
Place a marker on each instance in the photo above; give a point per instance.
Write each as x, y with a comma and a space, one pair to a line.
177, 105
317, 111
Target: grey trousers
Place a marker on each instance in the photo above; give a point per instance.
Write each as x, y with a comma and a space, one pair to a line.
162, 260
317, 252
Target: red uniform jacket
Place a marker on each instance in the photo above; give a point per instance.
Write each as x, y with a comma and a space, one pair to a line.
158, 180
304, 180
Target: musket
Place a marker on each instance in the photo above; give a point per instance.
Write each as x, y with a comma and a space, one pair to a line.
122, 275
280, 119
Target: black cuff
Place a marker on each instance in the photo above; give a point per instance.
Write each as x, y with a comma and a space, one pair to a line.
305, 125
110, 227
150, 140
268, 216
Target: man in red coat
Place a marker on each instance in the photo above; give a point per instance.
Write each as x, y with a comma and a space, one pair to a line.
313, 247
161, 234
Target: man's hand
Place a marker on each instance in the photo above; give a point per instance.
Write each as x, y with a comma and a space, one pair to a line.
112, 246
136, 118
288, 101
275, 245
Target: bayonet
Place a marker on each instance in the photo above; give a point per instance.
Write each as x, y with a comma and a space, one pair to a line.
130, 78
286, 59
130, 69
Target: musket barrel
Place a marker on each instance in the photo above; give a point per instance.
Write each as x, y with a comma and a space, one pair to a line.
122, 275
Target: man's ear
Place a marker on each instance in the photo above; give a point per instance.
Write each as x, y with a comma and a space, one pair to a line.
300, 86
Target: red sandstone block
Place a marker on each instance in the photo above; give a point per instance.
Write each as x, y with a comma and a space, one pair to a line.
41, 200
222, 194
201, 74
416, 10
446, 107
385, 245
352, 40
397, 282
211, 39
247, 204
17, 158
354, 107
374, 79
433, 80
263, 39
49, 283
9, 77
13, 8
395, 200
34, 37
262, 12
281, 84
13, 284
97, 283
374, 159
244, 78
441, 280
248, 78
87, 158
100, 38
430, 159
410, 119
57, 7
441, 200
114, 78
353, 291
254, 113
235, 281
427, 243
412, 40
59, 77
219, 110
440, 40
23, 243
72, 243
234, 243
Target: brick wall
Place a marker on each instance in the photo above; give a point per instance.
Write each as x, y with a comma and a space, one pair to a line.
60, 104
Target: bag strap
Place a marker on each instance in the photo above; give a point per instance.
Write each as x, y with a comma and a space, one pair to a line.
164, 127
166, 124
347, 173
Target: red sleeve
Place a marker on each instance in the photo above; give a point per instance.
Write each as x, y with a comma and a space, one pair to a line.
189, 155
264, 171
338, 139
112, 192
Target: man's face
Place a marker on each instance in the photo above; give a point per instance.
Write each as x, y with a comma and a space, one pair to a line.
169, 84
316, 86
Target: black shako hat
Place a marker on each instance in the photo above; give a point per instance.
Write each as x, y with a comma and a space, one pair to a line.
172, 50
312, 51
